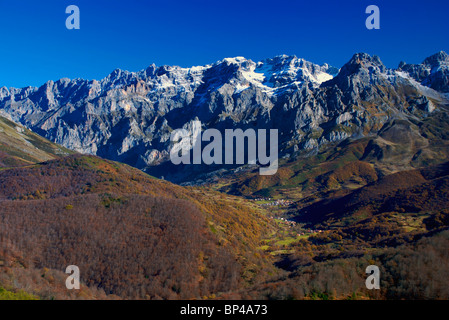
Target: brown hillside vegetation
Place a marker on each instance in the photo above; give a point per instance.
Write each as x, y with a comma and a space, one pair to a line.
407, 191
19, 146
137, 237
399, 222
132, 236
412, 271
133, 247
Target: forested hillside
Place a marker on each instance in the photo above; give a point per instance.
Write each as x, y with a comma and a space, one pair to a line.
131, 235
137, 237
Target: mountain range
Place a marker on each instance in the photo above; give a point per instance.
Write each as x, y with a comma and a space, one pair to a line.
128, 116
363, 179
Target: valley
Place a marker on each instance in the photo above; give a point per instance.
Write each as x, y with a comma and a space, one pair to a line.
362, 179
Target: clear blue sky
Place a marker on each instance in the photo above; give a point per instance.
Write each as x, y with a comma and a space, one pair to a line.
35, 45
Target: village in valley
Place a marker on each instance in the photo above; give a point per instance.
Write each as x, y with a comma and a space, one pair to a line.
282, 205
270, 202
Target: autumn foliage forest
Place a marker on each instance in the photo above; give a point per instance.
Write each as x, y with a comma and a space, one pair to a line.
136, 237
132, 236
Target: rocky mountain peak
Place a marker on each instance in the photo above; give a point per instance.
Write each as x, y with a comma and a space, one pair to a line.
128, 116
437, 59
149, 72
360, 70
362, 62
433, 72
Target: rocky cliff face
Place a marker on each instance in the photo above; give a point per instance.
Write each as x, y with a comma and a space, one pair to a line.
128, 116
433, 72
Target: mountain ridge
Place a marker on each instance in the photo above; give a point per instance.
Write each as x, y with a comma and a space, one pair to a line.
128, 116
347, 193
